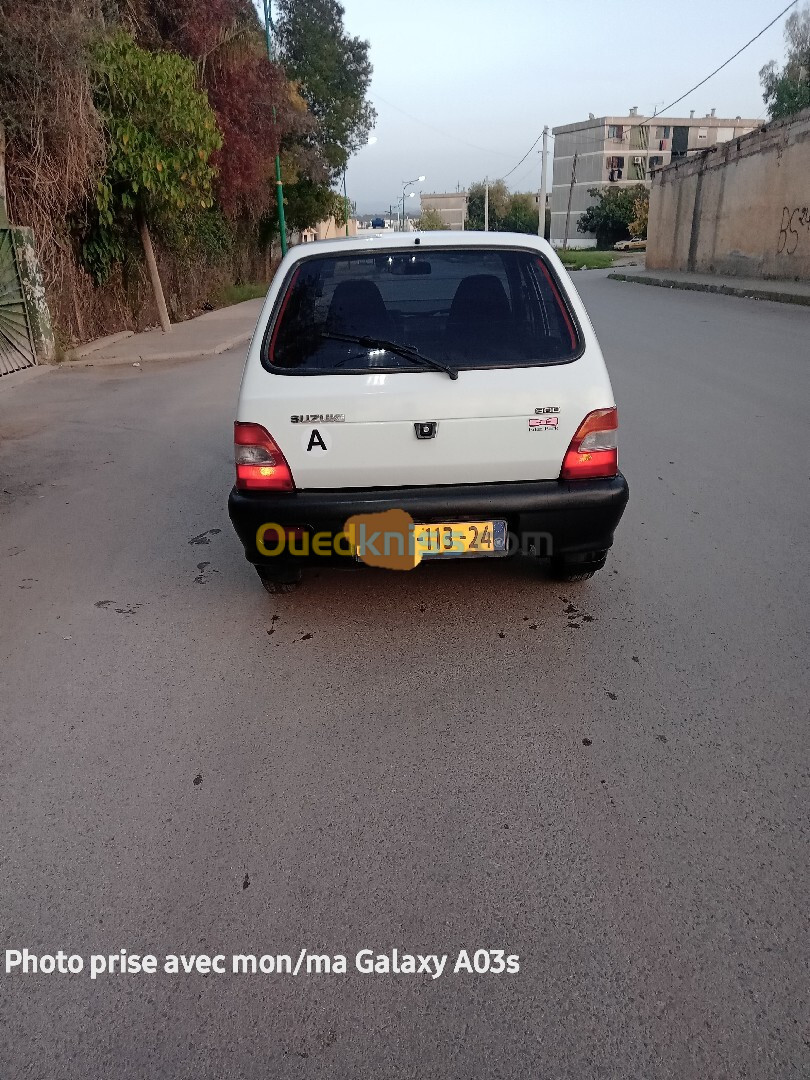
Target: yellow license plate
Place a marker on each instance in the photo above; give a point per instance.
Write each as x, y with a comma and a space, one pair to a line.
460, 538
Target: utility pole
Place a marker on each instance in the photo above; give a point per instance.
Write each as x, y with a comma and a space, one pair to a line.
570, 193
282, 224
541, 223
486, 205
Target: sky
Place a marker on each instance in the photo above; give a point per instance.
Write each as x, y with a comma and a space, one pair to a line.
462, 88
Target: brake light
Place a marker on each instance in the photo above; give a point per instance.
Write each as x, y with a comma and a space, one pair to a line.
260, 464
593, 452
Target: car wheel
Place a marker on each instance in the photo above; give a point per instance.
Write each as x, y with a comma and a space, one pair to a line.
573, 568
278, 581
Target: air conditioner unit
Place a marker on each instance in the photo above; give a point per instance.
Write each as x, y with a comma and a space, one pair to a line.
636, 160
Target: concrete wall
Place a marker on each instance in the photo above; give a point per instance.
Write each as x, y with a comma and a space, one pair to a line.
451, 205
742, 208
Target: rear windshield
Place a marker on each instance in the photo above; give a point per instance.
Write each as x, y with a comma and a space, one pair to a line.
468, 308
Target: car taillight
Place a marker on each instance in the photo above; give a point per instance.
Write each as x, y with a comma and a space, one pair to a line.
260, 465
593, 452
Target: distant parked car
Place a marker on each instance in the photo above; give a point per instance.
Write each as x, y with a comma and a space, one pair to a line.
378, 223
630, 245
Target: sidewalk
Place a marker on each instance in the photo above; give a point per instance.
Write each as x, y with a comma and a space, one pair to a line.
207, 335
785, 292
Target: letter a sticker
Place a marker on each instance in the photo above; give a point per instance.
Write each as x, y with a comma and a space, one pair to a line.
315, 439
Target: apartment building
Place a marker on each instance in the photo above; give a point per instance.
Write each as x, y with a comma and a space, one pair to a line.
623, 150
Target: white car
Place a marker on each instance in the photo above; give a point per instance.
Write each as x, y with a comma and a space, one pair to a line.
453, 379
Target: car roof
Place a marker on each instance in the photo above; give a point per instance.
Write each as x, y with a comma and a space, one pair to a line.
377, 240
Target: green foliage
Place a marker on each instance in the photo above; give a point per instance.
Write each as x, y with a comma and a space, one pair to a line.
196, 235
160, 129
787, 91
586, 259
237, 294
522, 216
498, 205
612, 212
333, 73
641, 213
507, 212
305, 204
160, 134
431, 220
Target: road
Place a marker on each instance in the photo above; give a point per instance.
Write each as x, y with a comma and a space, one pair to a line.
608, 779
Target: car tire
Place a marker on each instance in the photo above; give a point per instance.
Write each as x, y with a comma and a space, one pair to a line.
279, 581
572, 568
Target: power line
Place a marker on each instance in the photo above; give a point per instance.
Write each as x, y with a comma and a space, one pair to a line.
486, 150
725, 62
536, 141
702, 82
439, 131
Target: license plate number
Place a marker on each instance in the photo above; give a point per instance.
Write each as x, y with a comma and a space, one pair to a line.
456, 538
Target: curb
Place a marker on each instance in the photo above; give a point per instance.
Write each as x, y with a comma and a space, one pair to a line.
726, 290
95, 346
187, 354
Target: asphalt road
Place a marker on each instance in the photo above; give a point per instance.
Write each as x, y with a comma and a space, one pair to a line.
608, 779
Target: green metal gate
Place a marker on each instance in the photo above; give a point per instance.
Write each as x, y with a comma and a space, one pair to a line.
16, 346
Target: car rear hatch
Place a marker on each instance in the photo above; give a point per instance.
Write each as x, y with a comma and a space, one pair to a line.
345, 395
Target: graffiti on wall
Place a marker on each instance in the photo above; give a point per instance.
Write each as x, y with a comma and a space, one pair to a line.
792, 221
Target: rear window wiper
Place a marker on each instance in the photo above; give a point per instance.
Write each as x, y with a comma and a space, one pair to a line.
405, 351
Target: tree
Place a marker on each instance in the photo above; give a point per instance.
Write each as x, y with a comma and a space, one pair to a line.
641, 213
257, 108
498, 205
507, 212
431, 220
787, 91
333, 73
610, 216
522, 215
161, 133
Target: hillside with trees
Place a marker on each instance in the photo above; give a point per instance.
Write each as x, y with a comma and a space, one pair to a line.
133, 124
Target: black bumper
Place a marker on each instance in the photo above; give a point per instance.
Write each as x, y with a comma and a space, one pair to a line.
562, 518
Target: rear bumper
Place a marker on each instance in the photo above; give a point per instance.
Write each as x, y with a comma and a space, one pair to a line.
553, 517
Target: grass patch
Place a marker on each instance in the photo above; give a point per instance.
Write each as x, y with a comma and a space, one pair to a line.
586, 259
237, 294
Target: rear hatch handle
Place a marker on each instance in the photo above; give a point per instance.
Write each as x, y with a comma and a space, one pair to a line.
406, 351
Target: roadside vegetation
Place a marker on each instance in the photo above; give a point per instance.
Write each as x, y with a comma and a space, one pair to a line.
133, 124
508, 211
786, 90
586, 258
617, 213
237, 294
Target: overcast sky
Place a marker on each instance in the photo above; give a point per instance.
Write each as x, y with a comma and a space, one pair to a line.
463, 87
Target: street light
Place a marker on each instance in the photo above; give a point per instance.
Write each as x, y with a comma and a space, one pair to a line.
411, 195
405, 185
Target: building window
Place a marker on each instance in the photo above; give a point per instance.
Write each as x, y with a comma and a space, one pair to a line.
656, 161
615, 131
663, 132
615, 167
